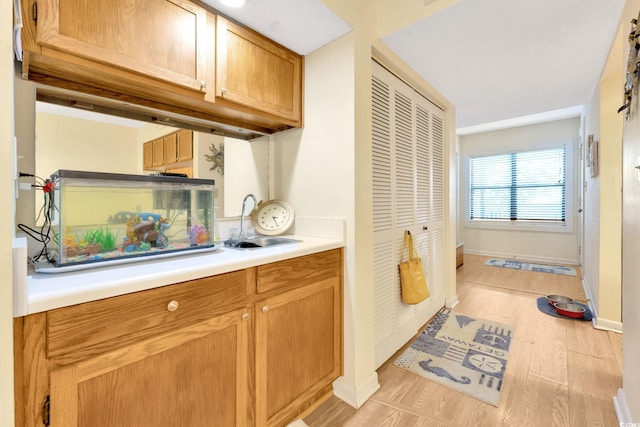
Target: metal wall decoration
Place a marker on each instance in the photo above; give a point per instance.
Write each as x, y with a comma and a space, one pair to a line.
592, 155
217, 158
633, 68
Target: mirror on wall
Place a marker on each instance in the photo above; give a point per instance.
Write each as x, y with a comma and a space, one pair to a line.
77, 139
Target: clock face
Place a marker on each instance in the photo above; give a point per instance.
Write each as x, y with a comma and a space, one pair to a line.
273, 217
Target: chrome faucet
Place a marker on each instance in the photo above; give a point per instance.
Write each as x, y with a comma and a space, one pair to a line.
243, 234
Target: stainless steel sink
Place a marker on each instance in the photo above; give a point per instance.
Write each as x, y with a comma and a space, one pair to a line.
258, 242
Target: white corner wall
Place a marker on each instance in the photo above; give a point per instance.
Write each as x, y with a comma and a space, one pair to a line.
628, 398
314, 171
602, 263
7, 200
560, 247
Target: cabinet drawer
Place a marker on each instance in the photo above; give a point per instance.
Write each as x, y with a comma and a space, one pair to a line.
299, 271
87, 329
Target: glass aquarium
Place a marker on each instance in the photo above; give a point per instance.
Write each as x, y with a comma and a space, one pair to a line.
99, 217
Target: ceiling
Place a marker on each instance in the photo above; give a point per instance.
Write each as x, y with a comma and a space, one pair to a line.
500, 59
301, 25
495, 60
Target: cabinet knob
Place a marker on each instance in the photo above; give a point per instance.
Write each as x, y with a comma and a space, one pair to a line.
265, 308
223, 91
203, 85
173, 305
245, 316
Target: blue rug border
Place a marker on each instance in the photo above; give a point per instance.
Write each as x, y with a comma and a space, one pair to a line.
517, 264
543, 306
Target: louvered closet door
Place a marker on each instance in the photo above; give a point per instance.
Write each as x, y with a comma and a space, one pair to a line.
407, 155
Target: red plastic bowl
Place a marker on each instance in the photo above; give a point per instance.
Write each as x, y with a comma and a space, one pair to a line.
570, 310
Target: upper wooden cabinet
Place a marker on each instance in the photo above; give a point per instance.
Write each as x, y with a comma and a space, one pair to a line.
164, 54
147, 155
184, 145
160, 39
174, 150
255, 72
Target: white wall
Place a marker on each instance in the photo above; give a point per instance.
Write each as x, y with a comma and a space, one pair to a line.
246, 168
631, 224
324, 170
561, 247
609, 310
591, 267
314, 171
66, 143
6, 224
602, 269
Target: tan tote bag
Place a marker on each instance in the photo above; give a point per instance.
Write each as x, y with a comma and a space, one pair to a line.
412, 278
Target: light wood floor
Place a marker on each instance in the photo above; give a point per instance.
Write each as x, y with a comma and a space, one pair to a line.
560, 372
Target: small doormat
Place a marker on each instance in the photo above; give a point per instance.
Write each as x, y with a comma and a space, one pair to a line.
545, 307
466, 354
529, 266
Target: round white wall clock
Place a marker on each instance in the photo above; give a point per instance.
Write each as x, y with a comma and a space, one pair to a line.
272, 217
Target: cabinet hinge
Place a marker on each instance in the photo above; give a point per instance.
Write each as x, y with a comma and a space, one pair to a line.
34, 11
45, 411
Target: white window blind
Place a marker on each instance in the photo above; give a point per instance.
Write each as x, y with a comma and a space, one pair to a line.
521, 186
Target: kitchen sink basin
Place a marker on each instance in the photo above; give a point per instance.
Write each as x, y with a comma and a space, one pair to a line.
258, 242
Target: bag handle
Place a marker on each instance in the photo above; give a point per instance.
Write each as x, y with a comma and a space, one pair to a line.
408, 241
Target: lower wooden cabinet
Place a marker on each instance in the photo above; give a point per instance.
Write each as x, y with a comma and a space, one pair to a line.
298, 349
219, 351
188, 377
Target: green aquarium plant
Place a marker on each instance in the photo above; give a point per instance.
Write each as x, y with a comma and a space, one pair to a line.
88, 238
102, 236
105, 237
108, 239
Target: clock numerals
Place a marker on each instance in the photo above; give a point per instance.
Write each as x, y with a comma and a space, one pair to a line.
274, 218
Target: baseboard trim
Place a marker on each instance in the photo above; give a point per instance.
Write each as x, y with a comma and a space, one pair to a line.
597, 322
356, 396
452, 302
607, 325
622, 410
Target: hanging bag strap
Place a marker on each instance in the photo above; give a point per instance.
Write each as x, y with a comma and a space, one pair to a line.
408, 241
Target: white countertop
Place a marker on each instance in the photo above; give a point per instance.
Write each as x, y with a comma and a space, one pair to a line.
46, 291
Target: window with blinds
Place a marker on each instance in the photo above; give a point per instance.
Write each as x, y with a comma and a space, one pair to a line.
520, 186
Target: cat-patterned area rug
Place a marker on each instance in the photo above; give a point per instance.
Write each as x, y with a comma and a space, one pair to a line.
466, 354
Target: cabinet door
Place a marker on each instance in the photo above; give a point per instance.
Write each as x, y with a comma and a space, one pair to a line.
158, 151
155, 38
147, 155
194, 376
170, 148
298, 348
255, 72
185, 145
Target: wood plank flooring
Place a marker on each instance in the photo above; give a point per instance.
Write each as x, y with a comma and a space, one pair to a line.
560, 372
